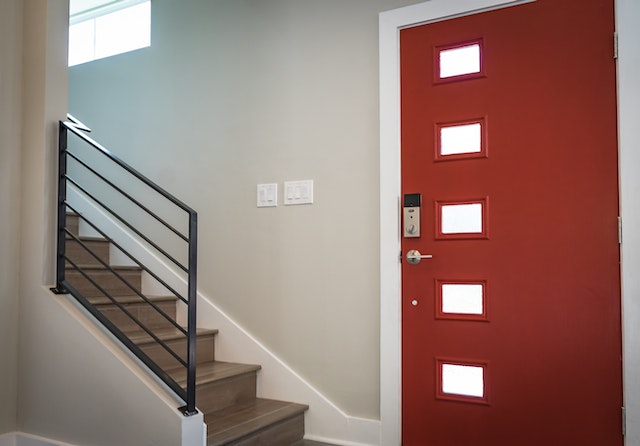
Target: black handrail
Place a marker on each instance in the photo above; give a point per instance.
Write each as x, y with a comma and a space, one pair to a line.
63, 286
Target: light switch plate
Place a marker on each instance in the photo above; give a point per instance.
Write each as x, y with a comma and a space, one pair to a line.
267, 195
298, 192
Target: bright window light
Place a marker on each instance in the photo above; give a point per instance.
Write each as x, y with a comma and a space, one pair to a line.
460, 61
107, 32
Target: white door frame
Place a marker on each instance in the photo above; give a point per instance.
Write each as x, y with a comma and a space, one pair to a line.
391, 22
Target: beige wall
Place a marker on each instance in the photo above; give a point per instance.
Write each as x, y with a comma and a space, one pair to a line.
74, 384
235, 93
10, 86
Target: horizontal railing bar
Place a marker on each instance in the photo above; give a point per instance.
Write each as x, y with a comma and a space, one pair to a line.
128, 254
128, 225
124, 310
137, 351
127, 283
76, 131
129, 197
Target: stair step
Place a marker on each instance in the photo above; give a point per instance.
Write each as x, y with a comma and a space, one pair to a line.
106, 279
214, 371
130, 299
140, 309
258, 422
175, 340
80, 256
72, 222
220, 384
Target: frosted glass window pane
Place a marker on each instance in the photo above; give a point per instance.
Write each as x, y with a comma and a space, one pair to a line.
124, 30
459, 61
463, 380
462, 218
462, 298
81, 38
461, 139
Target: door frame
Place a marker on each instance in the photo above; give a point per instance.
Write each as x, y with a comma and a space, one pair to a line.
390, 24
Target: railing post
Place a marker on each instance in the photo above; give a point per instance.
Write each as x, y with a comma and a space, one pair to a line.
190, 408
62, 210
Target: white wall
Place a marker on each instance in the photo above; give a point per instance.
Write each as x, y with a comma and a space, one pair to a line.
10, 86
74, 386
235, 93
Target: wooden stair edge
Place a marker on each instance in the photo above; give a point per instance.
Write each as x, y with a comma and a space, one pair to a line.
245, 420
141, 338
213, 371
131, 299
100, 267
87, 238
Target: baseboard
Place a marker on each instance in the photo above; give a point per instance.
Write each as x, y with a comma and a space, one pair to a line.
22, 439
324, 420
8, 439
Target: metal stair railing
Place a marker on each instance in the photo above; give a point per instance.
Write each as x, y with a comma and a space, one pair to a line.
86, 172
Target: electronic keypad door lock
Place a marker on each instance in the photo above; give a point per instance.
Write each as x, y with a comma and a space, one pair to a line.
411, 215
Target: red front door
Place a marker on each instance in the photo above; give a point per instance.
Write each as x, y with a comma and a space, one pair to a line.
511, 331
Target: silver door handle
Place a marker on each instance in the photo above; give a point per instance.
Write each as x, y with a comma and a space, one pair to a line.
414, 256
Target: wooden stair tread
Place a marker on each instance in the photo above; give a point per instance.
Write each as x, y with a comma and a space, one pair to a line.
140, 337
132, 299
85, 238
213, 371
244, 419
101, 268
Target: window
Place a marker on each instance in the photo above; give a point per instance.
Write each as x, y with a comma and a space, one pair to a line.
103, 28
459, 61
461, 380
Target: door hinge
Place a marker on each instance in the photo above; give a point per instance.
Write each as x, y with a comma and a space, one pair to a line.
400, 257
624, 421
620, 230
615, 45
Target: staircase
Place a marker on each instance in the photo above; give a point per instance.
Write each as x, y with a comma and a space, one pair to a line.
225, 392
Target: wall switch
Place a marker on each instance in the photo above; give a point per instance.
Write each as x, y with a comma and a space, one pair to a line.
298, 192
267, 195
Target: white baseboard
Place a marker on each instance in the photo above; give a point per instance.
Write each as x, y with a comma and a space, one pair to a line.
22, 439
8, 439
324, 421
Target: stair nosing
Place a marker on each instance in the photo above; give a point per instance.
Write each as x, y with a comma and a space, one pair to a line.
84, 238
142, 338
96, 267
210, 376
130, 299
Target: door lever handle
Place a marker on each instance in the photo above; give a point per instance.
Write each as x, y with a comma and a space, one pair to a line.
414, 256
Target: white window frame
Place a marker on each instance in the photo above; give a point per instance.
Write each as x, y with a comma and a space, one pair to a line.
94, 9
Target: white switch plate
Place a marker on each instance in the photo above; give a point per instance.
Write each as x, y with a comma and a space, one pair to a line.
267, 195
298, 192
